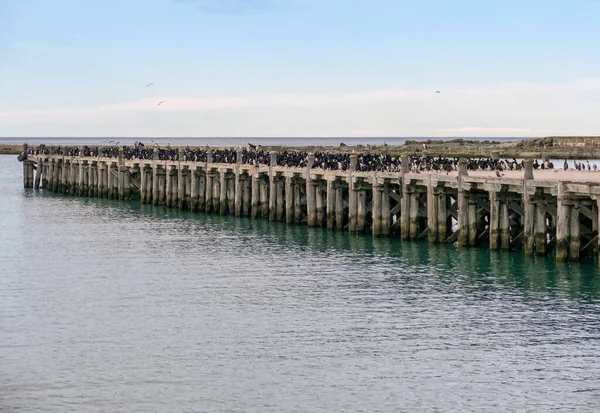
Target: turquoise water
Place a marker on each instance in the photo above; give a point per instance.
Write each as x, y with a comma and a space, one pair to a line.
120, 307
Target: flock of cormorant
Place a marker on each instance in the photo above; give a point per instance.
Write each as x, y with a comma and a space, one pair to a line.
366, 162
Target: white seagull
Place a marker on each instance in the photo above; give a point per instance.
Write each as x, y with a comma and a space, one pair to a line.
161, 102
149, 84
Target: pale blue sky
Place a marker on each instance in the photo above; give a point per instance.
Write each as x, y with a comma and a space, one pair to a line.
299, 67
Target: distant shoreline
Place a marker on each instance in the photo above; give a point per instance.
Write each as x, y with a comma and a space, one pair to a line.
557, 147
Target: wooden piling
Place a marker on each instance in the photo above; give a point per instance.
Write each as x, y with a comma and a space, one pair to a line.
574, 233
289, 198
376, 209
330, 207
255, 195
432, 215
563, 221
339, 207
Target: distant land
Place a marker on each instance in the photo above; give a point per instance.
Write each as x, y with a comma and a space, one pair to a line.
555, 147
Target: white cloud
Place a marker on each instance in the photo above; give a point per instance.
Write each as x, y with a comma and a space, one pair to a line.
518, 109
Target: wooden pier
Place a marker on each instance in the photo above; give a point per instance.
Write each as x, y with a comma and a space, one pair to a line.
549, 213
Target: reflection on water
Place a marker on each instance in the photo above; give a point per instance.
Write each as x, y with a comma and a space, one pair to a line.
122, 307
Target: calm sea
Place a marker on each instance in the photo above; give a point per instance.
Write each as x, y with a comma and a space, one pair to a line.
109, 306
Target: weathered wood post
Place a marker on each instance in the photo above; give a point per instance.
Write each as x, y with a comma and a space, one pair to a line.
432, 215
209, 190
386, 217
504, 224
143, 184
361, 207
574, 233
255, 195
289, 198
320, 208
169, 189
264, 197
376, 207
272, 187
528, 210
540, 237
155, 180
330, 207
311, 206
238, 184
246, 197
25, 167
563, 221
194, 187
442, 209
405, 200
298, 207
472, 219
280, 202
463, 206
352, 195
339, 206
216, 197
126, 183
413, 214
181, 177
38, 175
202, 185
223, 193
494, 223
231, 192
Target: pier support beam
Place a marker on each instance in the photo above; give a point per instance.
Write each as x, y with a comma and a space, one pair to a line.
319, 204
264, 199
194, 189
472, 219
202, 185
223, 193
563, 221
413, 217
540, 238
280, 201
528, 211
38, 176
504, 226
376, 208
289, 198
255, 195
208, 199
181, 177
386, 217
463, 206
231, 193
432, 214
247, 203
352, 196
405, 200
311, 202
298, 208
361, 215
239, 191
442, 211
155, 190
574, 234
494, 223
330, 203
339, 207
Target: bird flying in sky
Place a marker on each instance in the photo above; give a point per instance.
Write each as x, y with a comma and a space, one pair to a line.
437, 91
149, 84
161, 102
